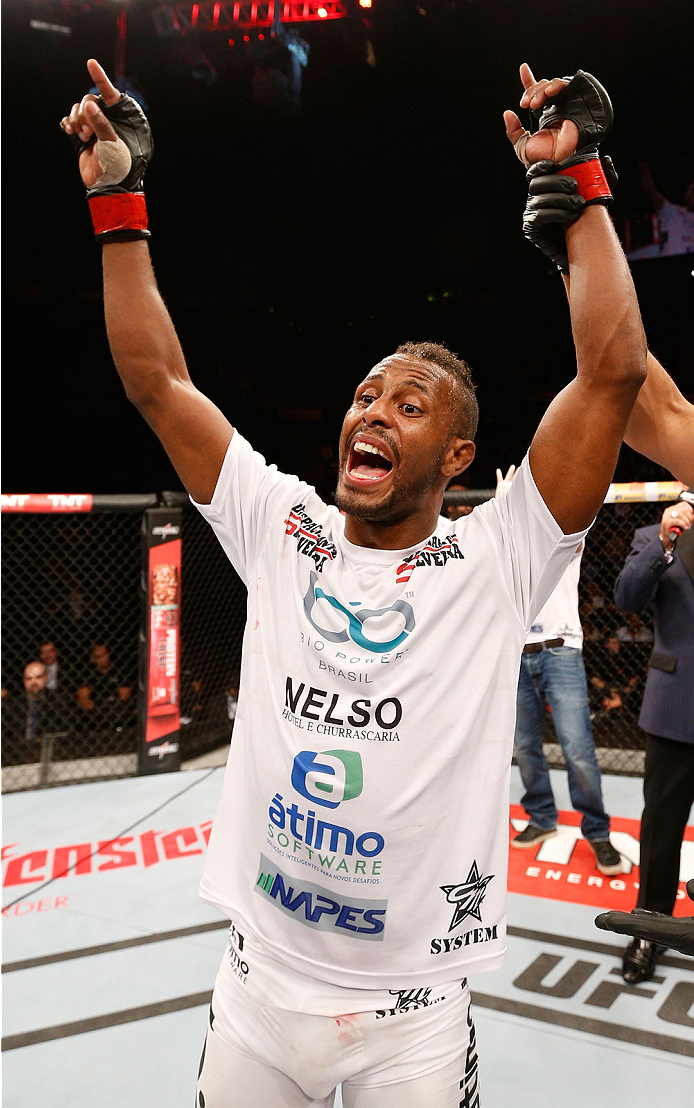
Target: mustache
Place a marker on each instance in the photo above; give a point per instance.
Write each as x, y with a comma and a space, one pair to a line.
376, 435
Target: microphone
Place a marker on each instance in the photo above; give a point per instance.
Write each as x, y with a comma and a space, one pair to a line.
673, 535
686, 497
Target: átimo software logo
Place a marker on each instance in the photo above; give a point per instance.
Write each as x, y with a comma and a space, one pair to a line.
328, 777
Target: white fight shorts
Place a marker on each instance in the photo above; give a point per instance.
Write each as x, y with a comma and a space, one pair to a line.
279, 1038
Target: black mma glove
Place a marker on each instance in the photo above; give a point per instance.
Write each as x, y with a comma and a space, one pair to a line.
117, 200
560, 191
554, 201
674, 932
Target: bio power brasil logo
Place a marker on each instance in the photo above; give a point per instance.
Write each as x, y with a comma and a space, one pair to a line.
396, 621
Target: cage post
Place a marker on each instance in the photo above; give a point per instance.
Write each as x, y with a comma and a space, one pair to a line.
159, 700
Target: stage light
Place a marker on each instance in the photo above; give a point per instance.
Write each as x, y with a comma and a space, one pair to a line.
322, 13
54, 28
364, 3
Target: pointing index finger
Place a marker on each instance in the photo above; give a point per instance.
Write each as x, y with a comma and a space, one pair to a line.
526, 76
109, 92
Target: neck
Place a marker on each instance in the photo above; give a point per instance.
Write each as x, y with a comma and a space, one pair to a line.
392, 534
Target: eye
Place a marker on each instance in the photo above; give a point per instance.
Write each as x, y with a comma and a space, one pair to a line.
366, 398
411, 409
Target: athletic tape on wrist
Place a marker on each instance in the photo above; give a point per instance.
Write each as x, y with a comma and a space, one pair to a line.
119, 211
592, 183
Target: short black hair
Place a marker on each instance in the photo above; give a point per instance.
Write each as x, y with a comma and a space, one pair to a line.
467, 413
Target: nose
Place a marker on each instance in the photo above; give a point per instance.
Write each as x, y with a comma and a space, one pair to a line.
378, 413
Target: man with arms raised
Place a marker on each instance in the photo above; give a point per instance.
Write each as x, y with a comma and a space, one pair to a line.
360, 845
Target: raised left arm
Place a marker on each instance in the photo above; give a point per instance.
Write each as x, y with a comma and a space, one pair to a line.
575, 449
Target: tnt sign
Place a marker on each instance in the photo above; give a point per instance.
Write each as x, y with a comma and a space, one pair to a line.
47, 502
563, 867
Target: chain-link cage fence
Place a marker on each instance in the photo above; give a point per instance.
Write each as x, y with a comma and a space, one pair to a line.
72, 632
617, 645
213, 616
70, 620
72, 627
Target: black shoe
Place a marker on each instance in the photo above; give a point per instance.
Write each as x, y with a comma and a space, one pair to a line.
606, 857
532, 836
638, 962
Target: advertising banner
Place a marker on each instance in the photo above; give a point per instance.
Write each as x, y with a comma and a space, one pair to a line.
160, 654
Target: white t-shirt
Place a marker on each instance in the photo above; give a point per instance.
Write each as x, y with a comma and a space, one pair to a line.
559, 619
676, 231
362, 831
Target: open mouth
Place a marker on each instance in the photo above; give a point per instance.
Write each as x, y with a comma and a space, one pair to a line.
368, 463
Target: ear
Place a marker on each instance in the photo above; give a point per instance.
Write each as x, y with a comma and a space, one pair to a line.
458, 457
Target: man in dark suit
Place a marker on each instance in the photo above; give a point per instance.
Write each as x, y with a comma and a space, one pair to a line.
27, 718
661, 574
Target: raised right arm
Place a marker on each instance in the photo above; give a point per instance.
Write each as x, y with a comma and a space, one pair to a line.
150, 362
143, 341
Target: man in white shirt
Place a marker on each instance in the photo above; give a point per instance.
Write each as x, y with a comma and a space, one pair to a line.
552, 671
360, 844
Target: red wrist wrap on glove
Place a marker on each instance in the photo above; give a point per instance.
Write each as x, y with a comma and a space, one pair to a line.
592, 183
120, 211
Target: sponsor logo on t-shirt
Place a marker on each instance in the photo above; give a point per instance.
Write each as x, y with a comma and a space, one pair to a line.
436, 553
466, 898
351, 917
364, 626
309, 538
328, 778
308, 709
309, 831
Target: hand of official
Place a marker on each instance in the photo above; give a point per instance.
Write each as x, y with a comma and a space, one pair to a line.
114, 144
674, 932
679, 516
503, 483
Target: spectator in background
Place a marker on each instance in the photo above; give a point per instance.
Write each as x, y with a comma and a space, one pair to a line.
48, 656
104, 698
552, 671
30, 716
455, 511
634, 630
232, 697
660, 575
674, 232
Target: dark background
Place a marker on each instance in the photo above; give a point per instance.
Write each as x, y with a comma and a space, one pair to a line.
296, 252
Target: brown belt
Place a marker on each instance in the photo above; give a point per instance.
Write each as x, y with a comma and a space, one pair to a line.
536, 647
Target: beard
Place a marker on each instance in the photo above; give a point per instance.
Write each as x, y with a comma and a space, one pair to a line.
405, 497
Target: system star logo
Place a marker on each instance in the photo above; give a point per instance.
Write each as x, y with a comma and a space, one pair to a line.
467, 896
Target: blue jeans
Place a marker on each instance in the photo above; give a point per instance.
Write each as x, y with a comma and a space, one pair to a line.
558, 675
